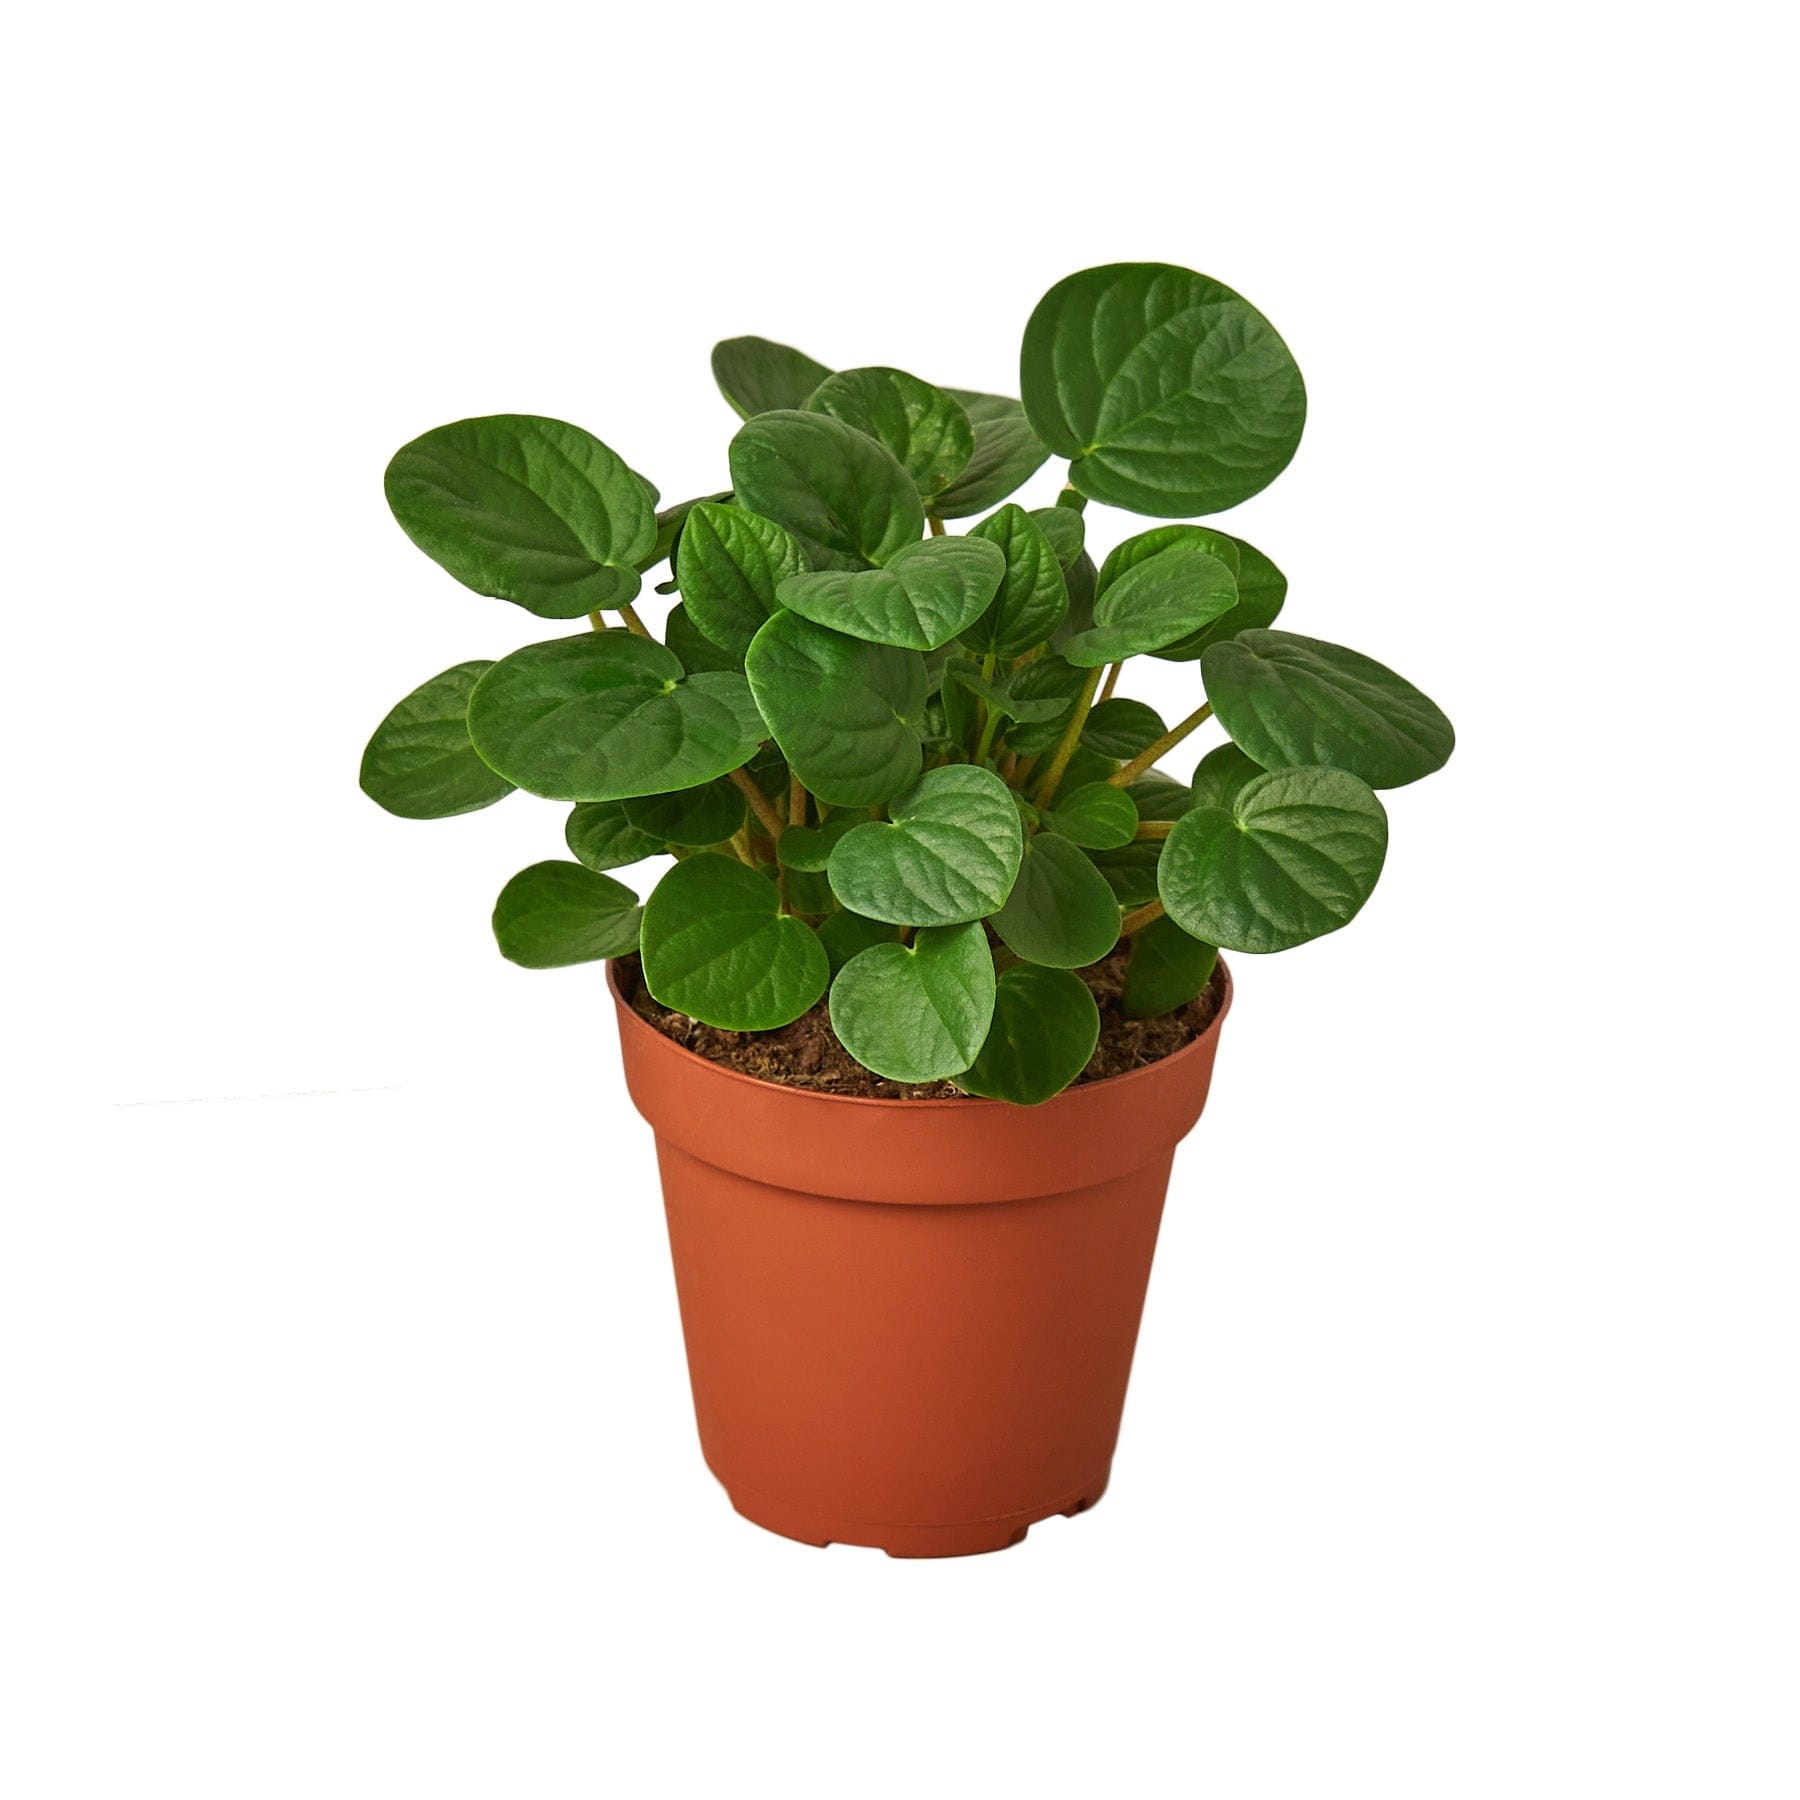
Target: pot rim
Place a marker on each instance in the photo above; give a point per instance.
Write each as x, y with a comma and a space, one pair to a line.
633, 1020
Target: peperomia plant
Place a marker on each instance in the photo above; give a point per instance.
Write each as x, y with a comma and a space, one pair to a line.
891, 762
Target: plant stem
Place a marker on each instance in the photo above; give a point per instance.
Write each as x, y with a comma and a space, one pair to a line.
1111, 681
1022, 772
936, 524
1155, 828
987, 734
1046, 790
741, 844
1163, 745
633, 623
796, 801
1136, 921
766, 815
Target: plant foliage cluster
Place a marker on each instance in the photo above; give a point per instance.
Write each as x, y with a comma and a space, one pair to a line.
888, 759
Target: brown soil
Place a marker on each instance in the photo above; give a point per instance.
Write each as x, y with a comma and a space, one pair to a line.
807, 1054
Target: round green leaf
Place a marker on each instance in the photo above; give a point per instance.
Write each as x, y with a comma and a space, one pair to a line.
1097, 816
1294, 702
1221, 776
606, 716
808, 848
1152, 603
1294, 856
925, 596
1262, 590
918, 1011
599, 836
844, 712
1166, 969
1032, 597
1170, 394
526, 509
1048, 678
556, 913
420, 763
757, 376
718, 947
1066, 529
1061, 911
949, 855
841, 493
728, 566
1130, 870
698, 654
1158, 538
846, 934
1006, 454
1121, 728
1001, 694
1159, 796
926, 430
1045, 1028
694, 816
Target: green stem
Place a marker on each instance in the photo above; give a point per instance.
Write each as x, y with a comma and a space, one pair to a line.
1155, 828
1111, 682
766, 815
1163, 745
936, 524
633, 623
1046, 790
796, 801
740, 842
987, 736
1136, 921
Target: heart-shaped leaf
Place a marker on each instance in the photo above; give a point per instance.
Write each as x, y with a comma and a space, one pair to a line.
1061, 911
1120, 728
949, 855
1166, 969
1046, 678
926, 430
728, 566
1097, 816
1045, 1028
600, 837
841, 493
526, 509
1152, 603
1295, 856
845, 712
1170, 394
420, 763
1221, 776
694, 816
757, 376
670, 523
1295, 702
846, 934
1066, 530
556, 913
1006, 455
1262, 589
718, 947
925, 596
919, 1011
606, 716
1032, 597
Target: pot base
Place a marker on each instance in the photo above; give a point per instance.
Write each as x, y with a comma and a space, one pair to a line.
974, 1537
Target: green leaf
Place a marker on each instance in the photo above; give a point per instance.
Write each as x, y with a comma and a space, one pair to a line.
1006, 455
928, 593
695, 816
842, 494
728, 567
949, 855
845, 934
844, 712
1130, 871
1032, 597
926, 430
808, 848
1295, 702
556, 913
698, 654
526, 509
1221, 777
1066, 530
1121, 728
420, 763
1152, 603
1170, 394
1159, 796
919, 1011
607, 716
600, 837
1097, 816
1294, 856
1045, 1028
1262, 589
1158, 538
718, 947
1001, 693
1062, 911
757, 376
1048, 678
1166, 969
670, 523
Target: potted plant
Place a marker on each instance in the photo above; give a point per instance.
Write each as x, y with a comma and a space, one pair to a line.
931, 989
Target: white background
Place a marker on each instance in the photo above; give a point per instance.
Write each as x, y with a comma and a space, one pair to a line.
346, 1439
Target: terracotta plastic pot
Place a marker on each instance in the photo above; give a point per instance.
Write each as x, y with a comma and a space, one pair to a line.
910, 1323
